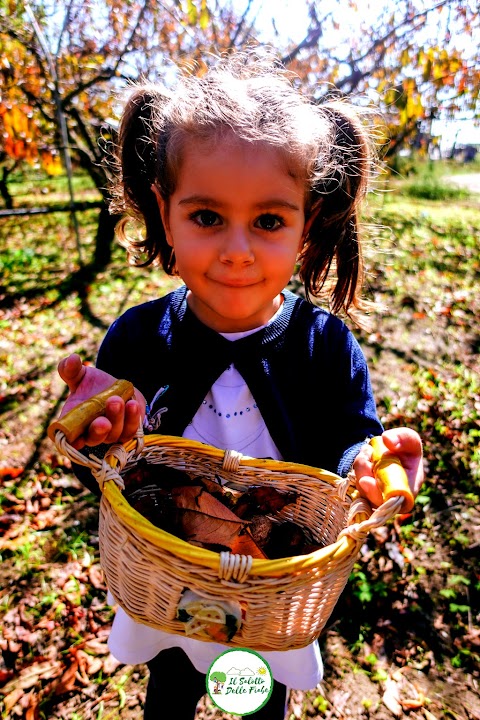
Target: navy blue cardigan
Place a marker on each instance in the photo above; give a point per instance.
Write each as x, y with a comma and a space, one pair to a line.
305, 370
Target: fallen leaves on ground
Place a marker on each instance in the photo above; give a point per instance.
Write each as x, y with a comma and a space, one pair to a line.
416, 583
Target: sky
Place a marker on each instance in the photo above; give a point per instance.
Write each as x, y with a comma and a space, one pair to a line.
291, 18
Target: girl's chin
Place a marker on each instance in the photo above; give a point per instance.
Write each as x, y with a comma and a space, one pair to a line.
231, 321
230, 315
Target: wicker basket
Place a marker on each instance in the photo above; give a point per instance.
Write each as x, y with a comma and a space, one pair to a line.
285, 603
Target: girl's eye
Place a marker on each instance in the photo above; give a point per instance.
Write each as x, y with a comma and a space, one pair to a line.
269, 222
206, 218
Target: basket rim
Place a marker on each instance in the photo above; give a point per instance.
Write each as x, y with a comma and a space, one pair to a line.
208, 558
215, 453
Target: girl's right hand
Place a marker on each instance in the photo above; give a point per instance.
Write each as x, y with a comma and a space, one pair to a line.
121, 420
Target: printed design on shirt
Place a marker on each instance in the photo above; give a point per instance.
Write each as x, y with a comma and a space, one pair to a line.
229, 398
239, 681
230, 417
231, 413
153, 420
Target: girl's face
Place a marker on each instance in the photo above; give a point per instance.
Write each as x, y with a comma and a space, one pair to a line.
236, 222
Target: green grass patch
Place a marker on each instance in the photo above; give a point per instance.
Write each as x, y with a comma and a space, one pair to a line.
35, 187
432, 188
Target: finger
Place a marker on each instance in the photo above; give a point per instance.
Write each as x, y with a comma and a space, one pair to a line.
98, 431
369, 488
96, 434
407, 445
115, 413
403, 440
365, 480
132, 420
72, 371
363, 462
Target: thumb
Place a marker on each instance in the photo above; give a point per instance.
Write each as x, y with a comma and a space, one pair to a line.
72, 371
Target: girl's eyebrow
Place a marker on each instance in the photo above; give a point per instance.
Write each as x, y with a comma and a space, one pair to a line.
278, 203
199, 200
264, 205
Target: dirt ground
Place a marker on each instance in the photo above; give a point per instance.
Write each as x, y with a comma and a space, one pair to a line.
401, 663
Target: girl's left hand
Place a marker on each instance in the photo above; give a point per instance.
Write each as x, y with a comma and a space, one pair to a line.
407, 446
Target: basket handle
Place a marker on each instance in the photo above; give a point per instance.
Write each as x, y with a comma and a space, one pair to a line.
390, 474
76, 421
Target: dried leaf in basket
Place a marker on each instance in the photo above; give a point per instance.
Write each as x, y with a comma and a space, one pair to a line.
262, 500
145, 473
227, 496
197, 498
260, 529
214, 487
203, 518
203, 528
287, 539
244, 544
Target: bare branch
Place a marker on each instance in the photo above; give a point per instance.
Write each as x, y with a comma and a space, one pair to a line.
240, 25
39, 104
66, 21
104, 76
392, 33
130, 40
83, 130
311, 40
31, 47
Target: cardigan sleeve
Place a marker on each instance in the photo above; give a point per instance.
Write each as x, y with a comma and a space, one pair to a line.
134, 347
114, 355
335, 411
356, 412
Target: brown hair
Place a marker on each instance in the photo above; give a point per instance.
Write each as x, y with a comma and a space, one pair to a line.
327, 145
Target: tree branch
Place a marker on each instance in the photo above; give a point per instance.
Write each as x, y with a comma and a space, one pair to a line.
127, 45
393, 31
66, 21
312, 38
83, 130
240, 25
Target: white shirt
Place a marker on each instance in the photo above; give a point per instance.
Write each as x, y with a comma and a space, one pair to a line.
228, 418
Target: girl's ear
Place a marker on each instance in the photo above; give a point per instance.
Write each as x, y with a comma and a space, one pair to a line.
163, 208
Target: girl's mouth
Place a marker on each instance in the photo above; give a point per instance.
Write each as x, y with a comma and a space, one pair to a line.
236, 284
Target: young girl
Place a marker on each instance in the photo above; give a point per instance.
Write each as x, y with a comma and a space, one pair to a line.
238, 179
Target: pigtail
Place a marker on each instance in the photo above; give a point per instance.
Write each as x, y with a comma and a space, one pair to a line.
333, 241
137, 160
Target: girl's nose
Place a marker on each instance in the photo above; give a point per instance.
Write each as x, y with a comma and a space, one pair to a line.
236, 247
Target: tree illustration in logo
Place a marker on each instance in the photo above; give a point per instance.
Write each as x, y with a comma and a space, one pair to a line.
219, 678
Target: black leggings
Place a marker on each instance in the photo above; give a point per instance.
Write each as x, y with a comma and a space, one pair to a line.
175, 688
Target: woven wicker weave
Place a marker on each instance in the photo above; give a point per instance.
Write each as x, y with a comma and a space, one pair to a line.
285, 602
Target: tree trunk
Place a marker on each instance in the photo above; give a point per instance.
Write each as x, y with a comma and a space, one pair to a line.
104, 238
4, 191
